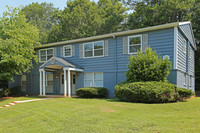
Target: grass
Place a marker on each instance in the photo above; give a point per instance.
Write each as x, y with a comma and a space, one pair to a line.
99, 115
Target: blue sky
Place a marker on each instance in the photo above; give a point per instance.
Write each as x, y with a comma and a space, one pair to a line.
16, 3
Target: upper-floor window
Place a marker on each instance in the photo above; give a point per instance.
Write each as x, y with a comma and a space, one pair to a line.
46, 54
93, 49
184, 45
134, 44
93, 79
67, 51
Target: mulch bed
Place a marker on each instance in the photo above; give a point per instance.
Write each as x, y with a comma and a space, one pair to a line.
5, 98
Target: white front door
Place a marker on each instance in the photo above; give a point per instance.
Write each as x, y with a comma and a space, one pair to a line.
62, 83
73, 84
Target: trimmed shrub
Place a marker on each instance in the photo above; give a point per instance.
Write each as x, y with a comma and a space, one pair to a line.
184, 93
148, 66
92, 92
147, 92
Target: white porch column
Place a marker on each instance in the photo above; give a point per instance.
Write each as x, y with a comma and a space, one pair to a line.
44, 83
40, 82
65, 83
69, 84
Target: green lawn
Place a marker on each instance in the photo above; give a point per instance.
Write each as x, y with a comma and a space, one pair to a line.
99, 115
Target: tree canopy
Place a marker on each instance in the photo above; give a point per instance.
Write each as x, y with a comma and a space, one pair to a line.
85, 18
41, 16
17, 41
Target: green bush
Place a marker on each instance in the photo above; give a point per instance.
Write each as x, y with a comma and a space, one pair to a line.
13, 91
184, 93
147, 92
92, 92
147, 66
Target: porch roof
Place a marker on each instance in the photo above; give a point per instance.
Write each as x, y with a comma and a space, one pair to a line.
55, 63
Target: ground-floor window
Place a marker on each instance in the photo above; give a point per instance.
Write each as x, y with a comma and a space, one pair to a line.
184, 79
93, 79
23, 83
190, 80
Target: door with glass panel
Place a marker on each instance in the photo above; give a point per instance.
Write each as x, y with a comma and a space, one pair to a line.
49, 83
73, 83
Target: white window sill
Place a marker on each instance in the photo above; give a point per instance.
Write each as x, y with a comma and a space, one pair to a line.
93, 57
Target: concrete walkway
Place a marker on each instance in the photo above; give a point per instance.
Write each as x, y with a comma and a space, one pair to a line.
24, 101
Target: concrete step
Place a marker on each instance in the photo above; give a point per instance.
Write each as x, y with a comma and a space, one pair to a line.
11, 104
6, 105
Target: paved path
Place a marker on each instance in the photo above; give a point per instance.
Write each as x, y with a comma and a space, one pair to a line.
24, 101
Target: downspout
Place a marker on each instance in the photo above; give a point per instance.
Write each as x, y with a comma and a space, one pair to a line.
115, 59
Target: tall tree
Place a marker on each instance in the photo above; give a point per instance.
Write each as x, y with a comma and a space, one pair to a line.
17, 41
112, 14
154, 12
42, 16
79, 19
85, 18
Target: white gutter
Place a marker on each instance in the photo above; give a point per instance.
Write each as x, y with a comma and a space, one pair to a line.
164, 26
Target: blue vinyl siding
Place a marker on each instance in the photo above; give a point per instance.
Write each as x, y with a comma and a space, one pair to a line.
181, 56
191, 62
186, 29
163, 42
115, 64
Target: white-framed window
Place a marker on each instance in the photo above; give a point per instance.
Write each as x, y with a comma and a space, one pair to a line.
190, 80
67, 51
23, 83
190, 53
93, 79
46, 54
134, 44
184, 79
93, 49
184, 45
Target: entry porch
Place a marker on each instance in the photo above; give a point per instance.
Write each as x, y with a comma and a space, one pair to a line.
58, 76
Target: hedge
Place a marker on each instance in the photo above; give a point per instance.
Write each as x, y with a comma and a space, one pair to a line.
150, 92
92, 92
184, 93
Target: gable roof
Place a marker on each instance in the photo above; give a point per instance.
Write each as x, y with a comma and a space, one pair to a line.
59, 62
186, 28
116, 34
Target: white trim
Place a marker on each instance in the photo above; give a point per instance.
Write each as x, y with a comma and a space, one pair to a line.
64, 50
93, 79
44, 83
65, 83
175, 47
73, 69
182, 23
136, 44
69, 83
92, 49
116, 34
46, 54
